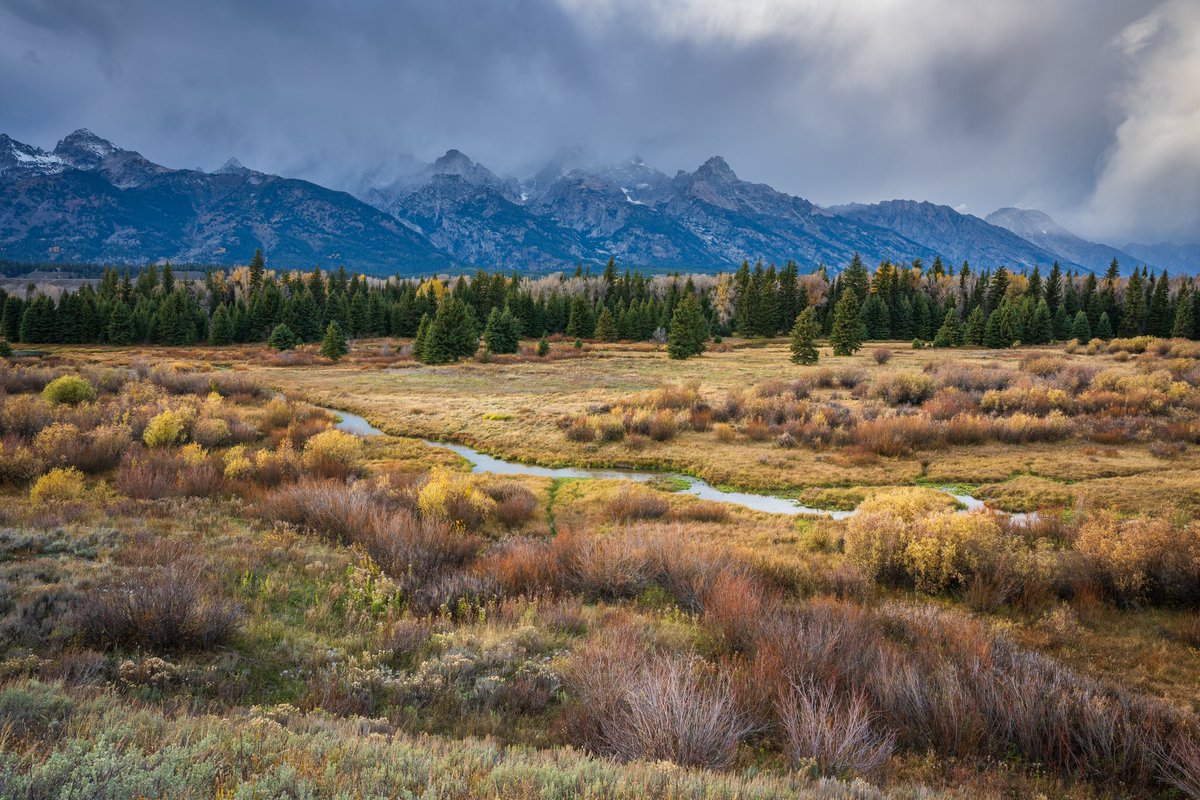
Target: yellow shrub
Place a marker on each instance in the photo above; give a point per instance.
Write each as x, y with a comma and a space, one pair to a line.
58, 485
167, 428
908, 503
332, 453
237, 464
192, 455
875, 541
454, 496
1142, 558
945, 549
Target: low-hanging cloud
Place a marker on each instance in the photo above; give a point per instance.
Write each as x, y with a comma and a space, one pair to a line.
970, 103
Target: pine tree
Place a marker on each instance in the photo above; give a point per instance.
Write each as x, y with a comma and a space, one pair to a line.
221, 332
503, 331
176, 323
1081, 329
1135, 305
848, 329
5, 349
334, 345
998, 332
950, 334
876, 317
688, 330
1183, 326
1061, 324
282, 338
1040, 329
257, 267
581, 323
451, 334
606, 326
543, 346
975, 327
120, 324
1104, 327
422, 337
1158, 314
1053, 291
804, 337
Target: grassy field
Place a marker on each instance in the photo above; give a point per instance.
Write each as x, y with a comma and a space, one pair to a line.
191, 564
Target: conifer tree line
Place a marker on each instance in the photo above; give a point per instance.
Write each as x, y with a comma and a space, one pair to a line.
448, 317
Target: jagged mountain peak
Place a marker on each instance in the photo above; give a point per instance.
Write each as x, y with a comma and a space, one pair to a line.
85, 149
455, 162
232, 167
716, 169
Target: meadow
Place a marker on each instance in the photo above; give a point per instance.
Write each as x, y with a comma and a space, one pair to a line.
207, 590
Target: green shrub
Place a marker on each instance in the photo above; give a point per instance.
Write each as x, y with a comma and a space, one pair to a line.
69, 390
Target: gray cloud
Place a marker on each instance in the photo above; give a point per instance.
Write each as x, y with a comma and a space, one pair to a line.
970, 103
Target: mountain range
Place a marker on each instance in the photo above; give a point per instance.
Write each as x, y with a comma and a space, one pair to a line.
88, 200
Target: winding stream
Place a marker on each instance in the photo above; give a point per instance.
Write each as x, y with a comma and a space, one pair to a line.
772, 504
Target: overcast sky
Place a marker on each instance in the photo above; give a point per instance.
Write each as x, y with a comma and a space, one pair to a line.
1088, 109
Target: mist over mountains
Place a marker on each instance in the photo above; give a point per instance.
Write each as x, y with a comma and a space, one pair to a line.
88, 200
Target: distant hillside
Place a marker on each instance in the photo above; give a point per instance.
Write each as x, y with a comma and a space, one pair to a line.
1040, 229
954, 236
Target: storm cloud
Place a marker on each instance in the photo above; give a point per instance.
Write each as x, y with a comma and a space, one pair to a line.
1088, 109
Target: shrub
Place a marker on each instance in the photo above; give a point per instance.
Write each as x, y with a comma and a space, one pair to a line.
1043, 366
895, 436
167, 429
968, 428
949, 402
58, 486
610, 429
903, 388
162, 610
69, 390
882, 355
725, 432
1021, 428
580, 430
702, 511
974, 379
629, 504
211, 432
18, 464
58, 445
332, 454
662, 427
403, 544
1039, 400
669, 707
514, 503
103, 448
839, 738
454, 497
25, 415
1142, 559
